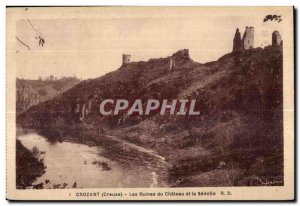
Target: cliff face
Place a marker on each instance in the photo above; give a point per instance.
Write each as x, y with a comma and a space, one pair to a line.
33, 92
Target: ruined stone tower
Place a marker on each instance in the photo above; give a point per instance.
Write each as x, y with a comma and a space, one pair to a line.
237, 41
126, 58
248, 38
178, 59
276, 39
181, 56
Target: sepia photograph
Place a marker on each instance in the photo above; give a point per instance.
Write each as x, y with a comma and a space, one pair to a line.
150, 103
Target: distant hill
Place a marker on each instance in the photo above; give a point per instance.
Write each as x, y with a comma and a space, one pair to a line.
33, 92
236, 140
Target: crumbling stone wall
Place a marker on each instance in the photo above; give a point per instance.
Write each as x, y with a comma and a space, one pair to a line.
248, 38
181, 56
178, 59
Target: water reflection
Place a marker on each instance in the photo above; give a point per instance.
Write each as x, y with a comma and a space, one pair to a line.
78, 165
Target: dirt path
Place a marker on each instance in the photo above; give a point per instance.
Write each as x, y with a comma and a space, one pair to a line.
140, 149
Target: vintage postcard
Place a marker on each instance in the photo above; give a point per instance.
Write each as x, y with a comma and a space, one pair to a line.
150, 103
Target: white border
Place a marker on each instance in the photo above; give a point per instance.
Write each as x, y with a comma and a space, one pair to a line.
4, 3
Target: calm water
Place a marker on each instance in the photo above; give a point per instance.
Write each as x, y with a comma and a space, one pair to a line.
69, 162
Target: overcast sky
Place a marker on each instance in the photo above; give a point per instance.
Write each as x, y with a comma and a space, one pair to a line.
91, 47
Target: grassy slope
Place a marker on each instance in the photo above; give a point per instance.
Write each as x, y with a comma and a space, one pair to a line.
240, 97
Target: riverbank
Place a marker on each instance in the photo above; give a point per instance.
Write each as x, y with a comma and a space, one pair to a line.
71, 163
181, 155
28, 167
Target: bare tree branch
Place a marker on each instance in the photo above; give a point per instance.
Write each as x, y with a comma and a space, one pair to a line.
40, 36
23, 43
38, 32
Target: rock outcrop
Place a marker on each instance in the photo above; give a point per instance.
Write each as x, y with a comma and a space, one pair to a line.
28, 96
33, 92
82, 108
248, 38
171, 64
276, 39
237, 41
82, 112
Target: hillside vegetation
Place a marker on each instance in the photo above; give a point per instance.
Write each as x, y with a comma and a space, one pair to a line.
33, 92
237, 139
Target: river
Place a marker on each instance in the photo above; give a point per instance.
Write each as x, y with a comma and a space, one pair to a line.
82, 166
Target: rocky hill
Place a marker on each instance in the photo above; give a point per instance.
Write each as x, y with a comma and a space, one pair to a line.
33, 92
236, 140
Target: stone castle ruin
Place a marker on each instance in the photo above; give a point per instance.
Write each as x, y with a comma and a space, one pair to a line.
276, 39
237, 41
248, 38
178, 58
126, 59
247, 42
